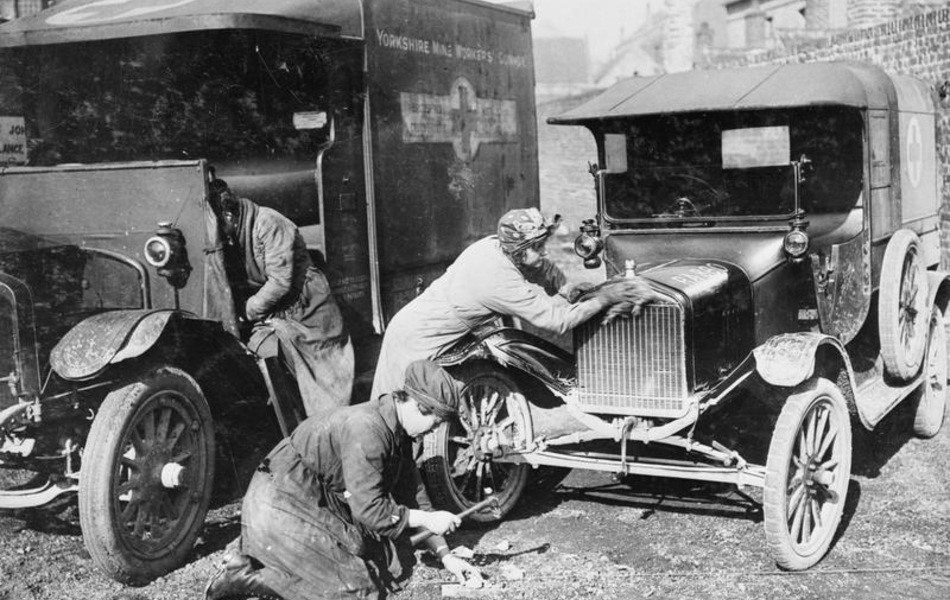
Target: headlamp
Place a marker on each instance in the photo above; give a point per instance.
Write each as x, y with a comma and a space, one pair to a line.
157, 251
589, 244
795, 244
167, 253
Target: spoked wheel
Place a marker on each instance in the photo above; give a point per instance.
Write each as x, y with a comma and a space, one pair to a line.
146, 476
460, 457
932, 395
807, 473
903, 316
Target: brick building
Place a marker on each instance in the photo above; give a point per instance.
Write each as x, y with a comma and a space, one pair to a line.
772, 23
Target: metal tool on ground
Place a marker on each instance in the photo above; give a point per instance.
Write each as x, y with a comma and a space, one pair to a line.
490, 502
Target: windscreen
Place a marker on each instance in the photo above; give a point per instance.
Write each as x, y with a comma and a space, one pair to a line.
257, 102
733, 164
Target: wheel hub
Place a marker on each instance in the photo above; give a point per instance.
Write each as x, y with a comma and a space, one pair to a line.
486, 444
173, 475
818, 480
156, 463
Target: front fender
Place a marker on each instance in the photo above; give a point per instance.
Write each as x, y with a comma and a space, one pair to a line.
939, 286
521, 350
789, 359
107, 338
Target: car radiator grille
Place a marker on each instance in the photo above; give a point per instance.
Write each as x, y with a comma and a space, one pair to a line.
634, 365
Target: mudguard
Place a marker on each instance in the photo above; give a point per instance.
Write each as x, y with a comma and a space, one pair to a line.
107, 338
789, 359
939, 286
517, 349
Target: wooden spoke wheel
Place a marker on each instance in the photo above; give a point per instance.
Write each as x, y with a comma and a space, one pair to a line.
932, 396
460, 457
146, 476
807, 474
903, 317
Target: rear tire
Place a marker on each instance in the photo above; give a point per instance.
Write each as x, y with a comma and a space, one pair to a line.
807, 474
146, 477
456, 469
932, 395
903, 317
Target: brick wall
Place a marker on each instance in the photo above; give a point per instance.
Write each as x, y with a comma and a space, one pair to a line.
914, 45
563, 154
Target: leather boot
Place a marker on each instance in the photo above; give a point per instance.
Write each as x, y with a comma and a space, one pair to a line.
238, 579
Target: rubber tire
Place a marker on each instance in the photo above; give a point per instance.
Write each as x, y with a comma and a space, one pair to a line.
507, 480
903, 331
126, 556
932, 396
791, 551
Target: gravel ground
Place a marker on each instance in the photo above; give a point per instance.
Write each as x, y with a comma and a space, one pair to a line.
595, 538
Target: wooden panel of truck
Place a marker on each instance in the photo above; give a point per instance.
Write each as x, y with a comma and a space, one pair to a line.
455, 138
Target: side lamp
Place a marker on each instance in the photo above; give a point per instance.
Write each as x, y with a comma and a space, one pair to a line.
167, 253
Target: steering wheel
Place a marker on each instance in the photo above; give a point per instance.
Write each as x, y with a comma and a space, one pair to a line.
681, 207
709, 196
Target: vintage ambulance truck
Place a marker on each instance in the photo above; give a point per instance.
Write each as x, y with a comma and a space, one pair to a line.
789, 220
393, 132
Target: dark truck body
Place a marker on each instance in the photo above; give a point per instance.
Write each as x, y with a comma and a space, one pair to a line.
393, 133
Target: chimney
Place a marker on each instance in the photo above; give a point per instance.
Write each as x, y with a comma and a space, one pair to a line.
756, 26
818, 14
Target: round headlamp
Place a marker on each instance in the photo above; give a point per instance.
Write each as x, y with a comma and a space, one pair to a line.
158, 251
587, 246
795, 244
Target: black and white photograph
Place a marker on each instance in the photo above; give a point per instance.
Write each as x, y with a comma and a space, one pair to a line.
478, 299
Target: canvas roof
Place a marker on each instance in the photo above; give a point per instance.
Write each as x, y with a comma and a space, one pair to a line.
771, 86
93, 20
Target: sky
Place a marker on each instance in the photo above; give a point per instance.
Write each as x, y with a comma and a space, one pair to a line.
603, 22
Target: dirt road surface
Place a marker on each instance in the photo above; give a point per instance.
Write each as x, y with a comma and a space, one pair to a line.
596, 538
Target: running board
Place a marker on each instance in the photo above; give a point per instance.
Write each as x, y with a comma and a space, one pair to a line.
36, 497
875, 398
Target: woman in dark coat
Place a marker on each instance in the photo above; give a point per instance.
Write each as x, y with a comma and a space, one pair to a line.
329, 511
285, 299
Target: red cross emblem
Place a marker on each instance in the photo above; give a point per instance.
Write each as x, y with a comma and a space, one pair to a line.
460, 118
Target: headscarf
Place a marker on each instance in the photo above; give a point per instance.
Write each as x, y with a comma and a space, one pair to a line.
521, 227
433, 388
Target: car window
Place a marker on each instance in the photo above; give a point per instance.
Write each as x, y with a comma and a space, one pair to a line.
110, 283
734, 164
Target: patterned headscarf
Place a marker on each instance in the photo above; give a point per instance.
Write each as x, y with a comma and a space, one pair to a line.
433, 388
521, 227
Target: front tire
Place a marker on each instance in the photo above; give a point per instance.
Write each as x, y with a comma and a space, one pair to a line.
456, 465
807, 474
146, 476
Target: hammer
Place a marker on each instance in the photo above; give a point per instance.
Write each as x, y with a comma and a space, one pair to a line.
490, 501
